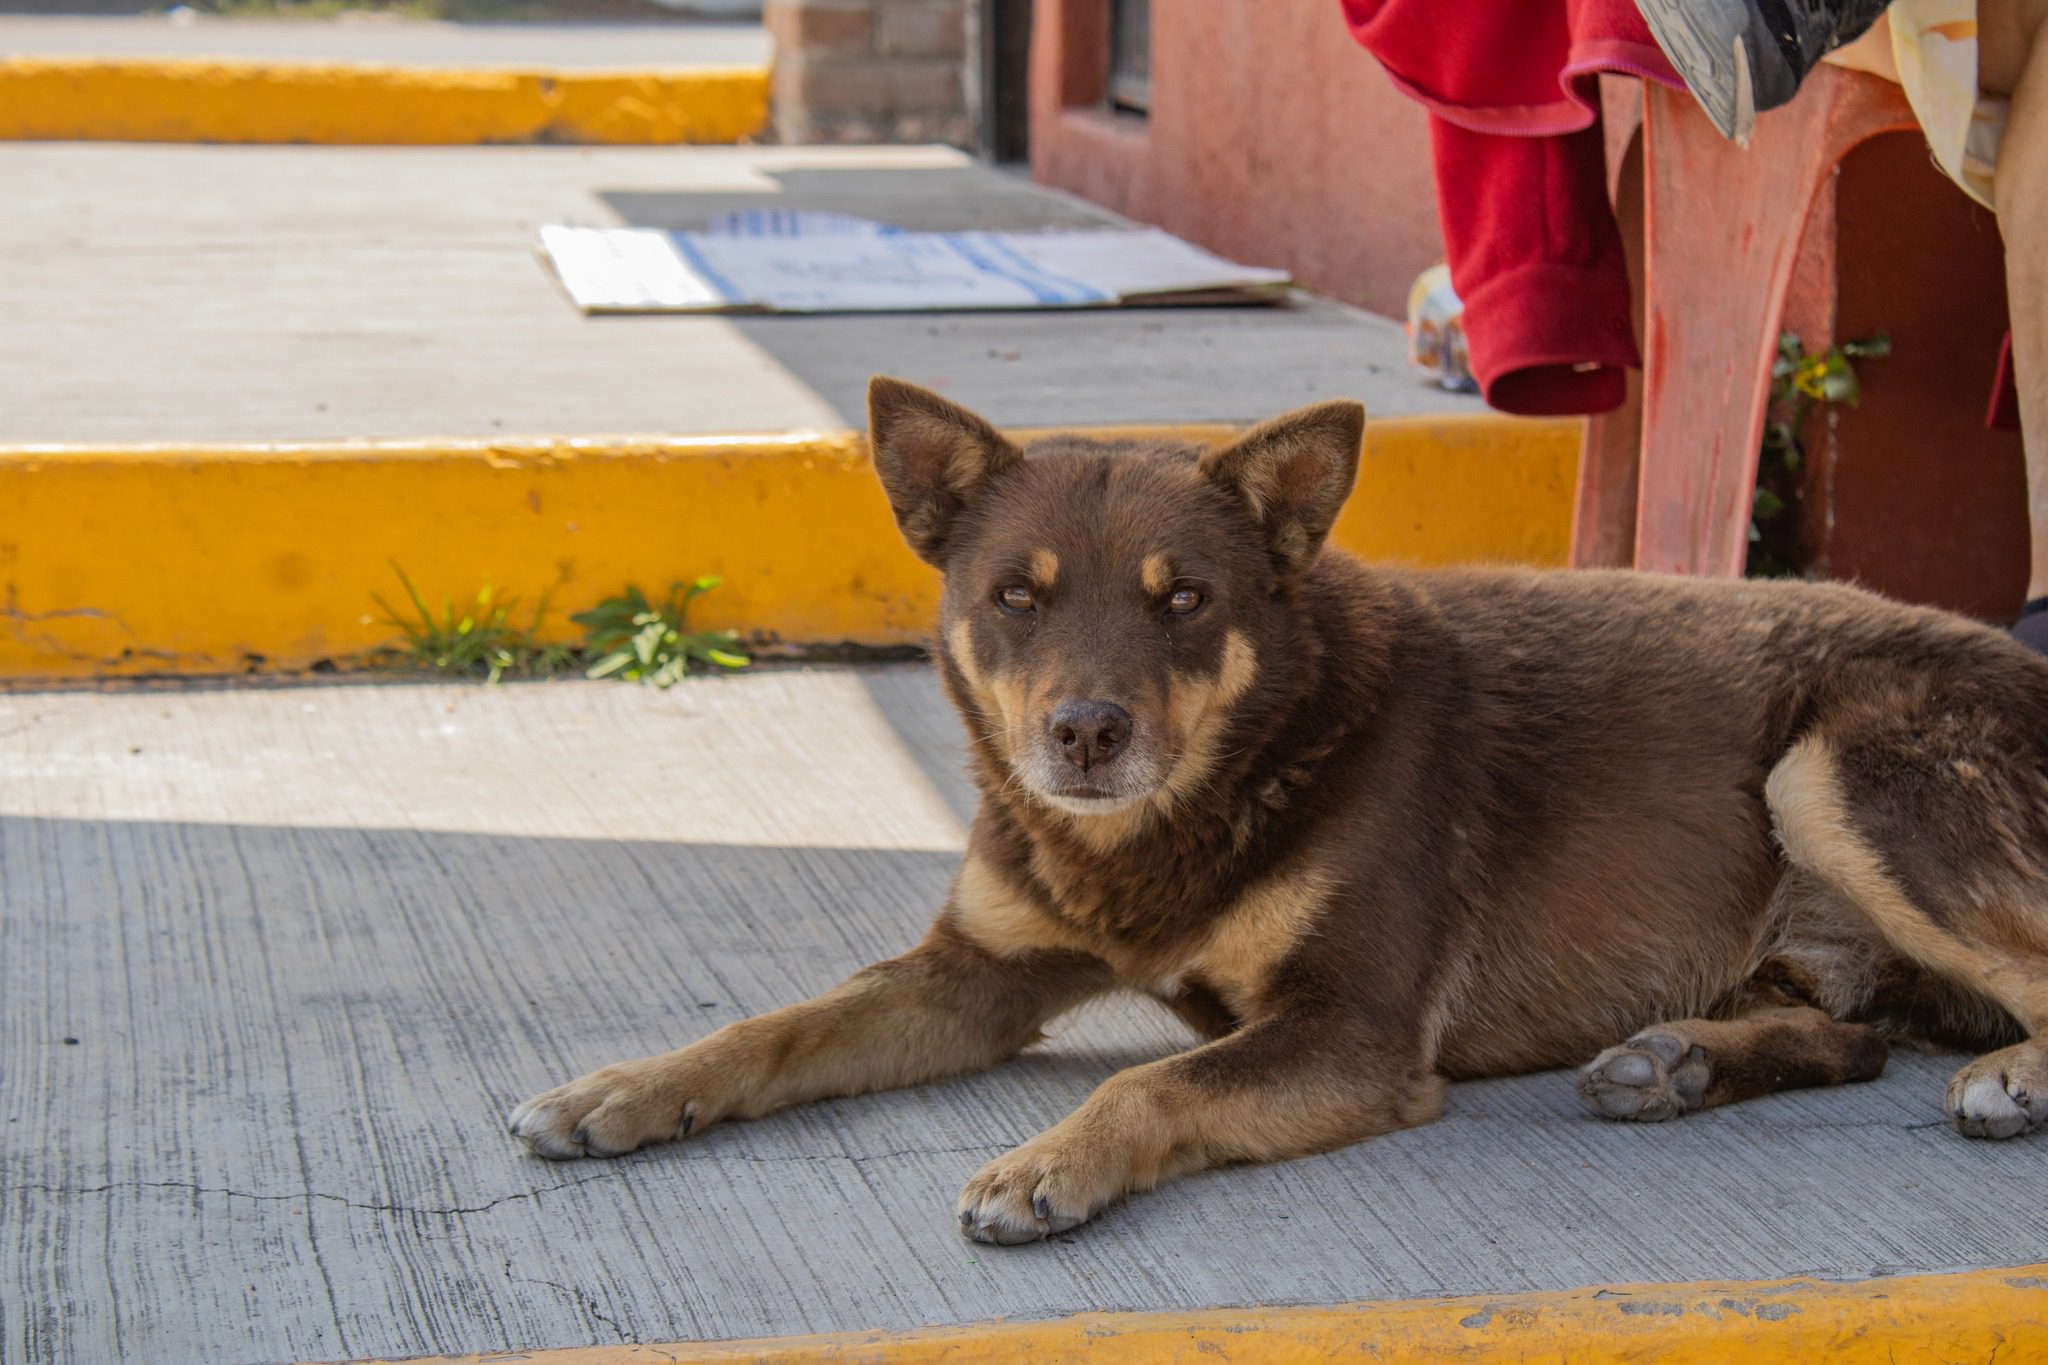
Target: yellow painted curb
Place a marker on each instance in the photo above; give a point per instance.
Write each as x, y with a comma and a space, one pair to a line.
241, 100
1979, 1315
182, 559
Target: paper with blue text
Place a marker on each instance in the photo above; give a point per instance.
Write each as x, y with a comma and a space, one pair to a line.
786, 262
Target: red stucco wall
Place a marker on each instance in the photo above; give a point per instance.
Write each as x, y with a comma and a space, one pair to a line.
1272, 139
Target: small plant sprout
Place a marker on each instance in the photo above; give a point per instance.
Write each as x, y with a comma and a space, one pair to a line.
629, 637
483, 641
1799, 379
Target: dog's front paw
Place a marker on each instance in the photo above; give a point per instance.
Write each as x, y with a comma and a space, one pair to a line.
1043, 1188
609, 1112
1651, 1077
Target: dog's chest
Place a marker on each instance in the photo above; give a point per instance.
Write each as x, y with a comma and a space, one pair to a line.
1162, 934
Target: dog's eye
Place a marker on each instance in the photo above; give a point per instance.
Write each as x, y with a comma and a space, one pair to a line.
1016, 599
1183, 601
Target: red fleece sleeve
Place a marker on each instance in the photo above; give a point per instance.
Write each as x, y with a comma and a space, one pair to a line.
1521, 181
1537, 259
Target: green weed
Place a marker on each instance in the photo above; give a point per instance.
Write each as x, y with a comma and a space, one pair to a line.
625, 637
629, 637
1799, 379
483, 641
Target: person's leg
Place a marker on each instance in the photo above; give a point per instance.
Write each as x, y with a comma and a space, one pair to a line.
2010, 62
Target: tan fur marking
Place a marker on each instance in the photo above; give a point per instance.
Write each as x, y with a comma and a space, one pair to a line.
1001, 918
1240, 666
1103, 833
1156, 575
1256, 934
1045, 568
1805, 796
1001, 699
1013, 701
993, 700
1195, 711
960, 644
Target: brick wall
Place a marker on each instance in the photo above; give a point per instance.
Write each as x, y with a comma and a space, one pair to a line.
872, 70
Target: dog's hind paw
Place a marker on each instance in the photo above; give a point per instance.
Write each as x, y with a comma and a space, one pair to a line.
1652, 1077
2001, 1095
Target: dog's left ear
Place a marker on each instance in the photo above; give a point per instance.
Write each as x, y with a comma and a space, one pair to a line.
933, 457
1294, 473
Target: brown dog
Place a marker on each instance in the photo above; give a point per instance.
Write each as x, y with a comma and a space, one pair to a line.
1369, 829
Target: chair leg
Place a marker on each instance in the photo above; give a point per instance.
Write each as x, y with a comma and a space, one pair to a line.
1723, 227
1604, 516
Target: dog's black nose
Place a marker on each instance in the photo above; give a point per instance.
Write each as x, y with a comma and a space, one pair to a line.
1090, 732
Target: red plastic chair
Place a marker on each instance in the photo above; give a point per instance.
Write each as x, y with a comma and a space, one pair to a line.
1722, 228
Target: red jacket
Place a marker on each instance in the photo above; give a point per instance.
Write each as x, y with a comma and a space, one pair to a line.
1521, 181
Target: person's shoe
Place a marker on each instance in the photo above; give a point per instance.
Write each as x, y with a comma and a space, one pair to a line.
1742, 56
2031, 629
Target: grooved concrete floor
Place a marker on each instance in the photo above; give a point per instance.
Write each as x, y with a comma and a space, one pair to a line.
248, 294
276, 961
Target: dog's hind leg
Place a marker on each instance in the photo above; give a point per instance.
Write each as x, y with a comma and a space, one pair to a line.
1931, 823
1672, 1069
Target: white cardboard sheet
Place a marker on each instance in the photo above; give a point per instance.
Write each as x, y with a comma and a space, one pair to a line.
784, 262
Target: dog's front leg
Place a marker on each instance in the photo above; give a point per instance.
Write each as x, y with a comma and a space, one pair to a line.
1285, 1087
945, 1007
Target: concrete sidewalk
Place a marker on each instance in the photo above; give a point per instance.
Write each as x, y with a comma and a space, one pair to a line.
242, 294
275, 962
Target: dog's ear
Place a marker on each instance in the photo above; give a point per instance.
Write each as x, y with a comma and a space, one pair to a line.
1294, 473
933, 457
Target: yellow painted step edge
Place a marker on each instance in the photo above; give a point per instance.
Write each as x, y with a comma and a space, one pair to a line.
225, 559
1977, 1315
244, 101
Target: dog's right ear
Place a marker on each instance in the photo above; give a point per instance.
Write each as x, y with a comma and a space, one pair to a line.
933, 457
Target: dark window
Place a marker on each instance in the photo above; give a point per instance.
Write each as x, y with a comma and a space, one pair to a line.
1130, 55
1006, 79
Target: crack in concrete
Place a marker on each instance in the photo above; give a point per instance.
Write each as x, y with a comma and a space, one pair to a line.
13, 612
18, 622
192, 1188
457, 1211
990, 1150
587, 1302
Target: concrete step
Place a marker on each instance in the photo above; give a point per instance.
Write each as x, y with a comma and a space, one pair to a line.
379, 80
248, 378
